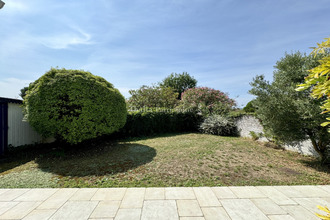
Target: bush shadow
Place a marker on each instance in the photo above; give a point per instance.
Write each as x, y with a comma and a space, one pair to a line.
96, 157
17, 156
107, 158
317, 165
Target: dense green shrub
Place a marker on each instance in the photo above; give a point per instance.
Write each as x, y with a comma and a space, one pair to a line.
74, 105
250, 108
219, 125
152, 97
206, 101
153, 122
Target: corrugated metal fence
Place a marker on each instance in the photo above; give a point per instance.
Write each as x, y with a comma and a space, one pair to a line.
19, 131
14, 131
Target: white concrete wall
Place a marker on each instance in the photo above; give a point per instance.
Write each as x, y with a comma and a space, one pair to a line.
19, 131
248, 123
305, 147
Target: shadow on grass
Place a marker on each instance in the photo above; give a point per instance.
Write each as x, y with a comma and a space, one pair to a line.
317, 165
116, 158
96, 157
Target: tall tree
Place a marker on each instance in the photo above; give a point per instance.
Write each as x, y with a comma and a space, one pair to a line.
289, 115
179, 82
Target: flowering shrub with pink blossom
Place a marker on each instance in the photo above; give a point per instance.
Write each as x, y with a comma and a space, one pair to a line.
206, 101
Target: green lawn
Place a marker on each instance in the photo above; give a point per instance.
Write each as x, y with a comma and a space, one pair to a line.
168, 160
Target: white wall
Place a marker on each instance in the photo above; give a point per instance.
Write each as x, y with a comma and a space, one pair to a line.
248, 123
19, 131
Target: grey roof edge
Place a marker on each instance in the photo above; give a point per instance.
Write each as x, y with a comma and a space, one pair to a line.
9, 100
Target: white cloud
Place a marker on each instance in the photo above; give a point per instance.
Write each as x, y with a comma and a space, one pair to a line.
10, 87
64, 40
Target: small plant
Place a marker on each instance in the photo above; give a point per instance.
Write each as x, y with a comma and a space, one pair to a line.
218, 125
325, 217
255, 136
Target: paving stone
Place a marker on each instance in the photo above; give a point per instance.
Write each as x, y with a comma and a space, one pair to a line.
100, 219
109, 194
246, 192
179, 193
312, 191
275, 195
3, 191
58, 199
243, 209
154, 193
5, 206
20, 210
325, 187
75, 210
327, 199
128, 214
268, 206
215, 213
39, 214
280, 217
84, 194
159, 210
12, 194
189, 208
106, 209
36, 195
289, 191
192, 218
206, 197
299, 212
223, 193
133, 198
312, 203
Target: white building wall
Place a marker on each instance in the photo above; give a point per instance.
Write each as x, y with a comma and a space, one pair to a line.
19, 131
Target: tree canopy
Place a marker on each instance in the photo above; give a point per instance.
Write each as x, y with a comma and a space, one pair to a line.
206, 101
179, 82
319, 78
289, 115
153, 96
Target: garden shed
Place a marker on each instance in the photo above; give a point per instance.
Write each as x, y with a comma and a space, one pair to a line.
14, 131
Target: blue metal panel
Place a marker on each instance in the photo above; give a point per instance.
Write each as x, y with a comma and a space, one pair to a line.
3, 127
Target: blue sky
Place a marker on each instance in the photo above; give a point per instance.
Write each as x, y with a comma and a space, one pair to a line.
222, 43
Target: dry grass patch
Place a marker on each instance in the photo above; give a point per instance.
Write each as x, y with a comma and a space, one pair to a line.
169, 160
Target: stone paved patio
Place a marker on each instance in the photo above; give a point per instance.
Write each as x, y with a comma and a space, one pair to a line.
186, 203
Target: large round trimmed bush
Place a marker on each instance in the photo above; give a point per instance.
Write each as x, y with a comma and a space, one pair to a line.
74, 105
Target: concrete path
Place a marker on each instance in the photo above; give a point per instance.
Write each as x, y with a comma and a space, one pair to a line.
186, 203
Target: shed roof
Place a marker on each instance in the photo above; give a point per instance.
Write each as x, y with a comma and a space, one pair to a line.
8, 100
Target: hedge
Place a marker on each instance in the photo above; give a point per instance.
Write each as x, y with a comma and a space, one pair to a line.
151, 123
